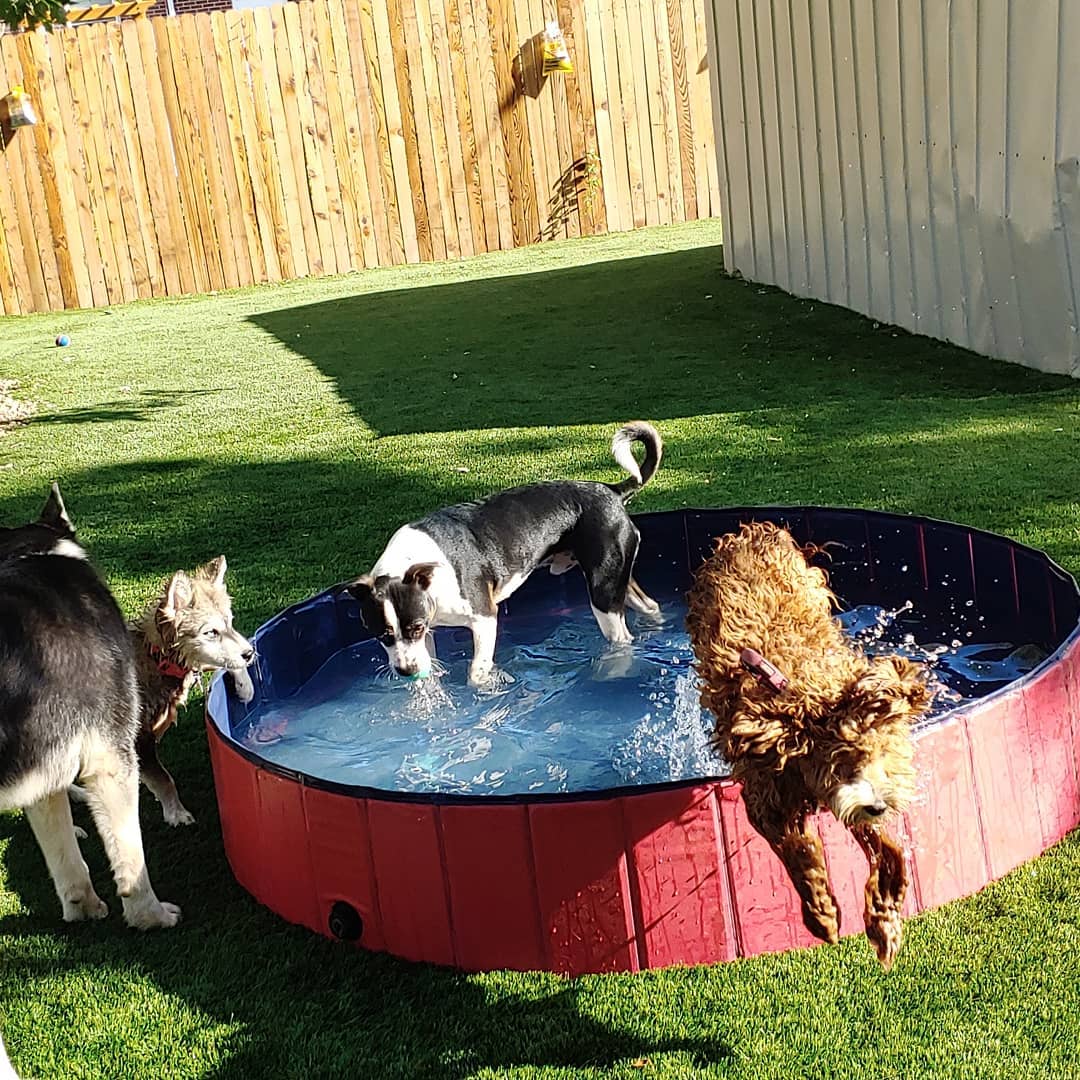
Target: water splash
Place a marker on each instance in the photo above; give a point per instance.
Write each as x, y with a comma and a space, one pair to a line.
568, 712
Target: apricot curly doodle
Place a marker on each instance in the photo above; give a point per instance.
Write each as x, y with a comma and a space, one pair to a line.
817, 725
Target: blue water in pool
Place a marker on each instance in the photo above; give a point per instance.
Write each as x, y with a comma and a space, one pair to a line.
568, 712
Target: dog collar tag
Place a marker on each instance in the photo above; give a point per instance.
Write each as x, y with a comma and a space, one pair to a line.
762, 670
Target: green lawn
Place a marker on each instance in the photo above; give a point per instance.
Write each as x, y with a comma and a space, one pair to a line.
291, 427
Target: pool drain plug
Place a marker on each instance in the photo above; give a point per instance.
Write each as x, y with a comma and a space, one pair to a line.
345, 922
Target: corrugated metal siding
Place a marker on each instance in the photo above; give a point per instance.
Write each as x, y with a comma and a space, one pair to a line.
918, 161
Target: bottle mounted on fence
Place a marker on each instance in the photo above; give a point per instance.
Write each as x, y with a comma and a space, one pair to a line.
556, 56
16, 109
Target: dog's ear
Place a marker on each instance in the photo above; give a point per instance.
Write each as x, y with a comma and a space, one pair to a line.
891, 686
361, 587
421, 574
54, 513
178, 593
213, 571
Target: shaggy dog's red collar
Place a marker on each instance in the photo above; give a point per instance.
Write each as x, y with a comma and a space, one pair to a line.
168, 668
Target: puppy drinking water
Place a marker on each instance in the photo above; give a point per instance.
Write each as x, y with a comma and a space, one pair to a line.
455, 566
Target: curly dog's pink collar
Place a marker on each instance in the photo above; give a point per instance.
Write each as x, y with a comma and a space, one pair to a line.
762, 670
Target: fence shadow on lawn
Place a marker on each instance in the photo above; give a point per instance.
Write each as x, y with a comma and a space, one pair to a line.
664, 336
303, 1005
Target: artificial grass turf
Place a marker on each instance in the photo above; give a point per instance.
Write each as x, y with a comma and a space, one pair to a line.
292, 427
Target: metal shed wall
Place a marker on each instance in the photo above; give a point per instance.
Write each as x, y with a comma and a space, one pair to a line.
916, 160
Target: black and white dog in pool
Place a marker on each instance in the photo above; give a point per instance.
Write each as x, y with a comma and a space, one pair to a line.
454, 567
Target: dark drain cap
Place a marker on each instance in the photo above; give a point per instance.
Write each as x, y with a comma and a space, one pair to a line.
345, 922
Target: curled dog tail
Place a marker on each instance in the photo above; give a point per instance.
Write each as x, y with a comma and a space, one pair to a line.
637, 431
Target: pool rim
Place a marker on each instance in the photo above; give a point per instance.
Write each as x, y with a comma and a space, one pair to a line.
440, 798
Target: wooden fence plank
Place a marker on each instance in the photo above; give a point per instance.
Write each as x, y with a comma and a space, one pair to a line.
205, 160
283, 211
409, 56
619, 35
296, 91
193, 209
177, 257
654, 93
488, 94
10, 243
668, 136
477, 193
223, 28
580, 111
536, 97
513, 121
390, 34
18, 295
90, 276
342, 212
239, 29
127, 231
684, 129
34, 223
183, 51
705, 132
642, 105
128, 140
605, 134
214, 75
367, 110
440, 57
289, 187
700, 99
345, 125
55, 169
84, 120
287, 92
401, 226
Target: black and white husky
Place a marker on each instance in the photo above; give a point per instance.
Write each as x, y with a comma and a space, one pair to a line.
456, 565
70, 710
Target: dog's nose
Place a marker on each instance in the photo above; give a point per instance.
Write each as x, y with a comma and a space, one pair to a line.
406, 669
247, 655
875, 809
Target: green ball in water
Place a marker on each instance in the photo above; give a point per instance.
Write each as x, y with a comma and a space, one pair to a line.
417, 676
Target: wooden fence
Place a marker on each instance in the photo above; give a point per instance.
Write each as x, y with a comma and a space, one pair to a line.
201, 152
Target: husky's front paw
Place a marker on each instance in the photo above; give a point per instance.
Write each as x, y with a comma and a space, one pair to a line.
85, 905
151, 914
177, 815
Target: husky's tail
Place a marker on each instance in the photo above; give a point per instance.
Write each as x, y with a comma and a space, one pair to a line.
637, 431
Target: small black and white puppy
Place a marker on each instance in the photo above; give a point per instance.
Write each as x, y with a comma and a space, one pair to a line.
454, 567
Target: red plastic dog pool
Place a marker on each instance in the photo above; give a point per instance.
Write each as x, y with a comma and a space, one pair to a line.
671, 873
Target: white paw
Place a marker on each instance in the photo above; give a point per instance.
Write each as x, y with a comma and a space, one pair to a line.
177, 815
614, 662
87, 906
151, 915
481, 674
242, 684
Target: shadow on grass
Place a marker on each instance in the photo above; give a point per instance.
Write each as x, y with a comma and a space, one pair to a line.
304, 1005
141, 406
666, 336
